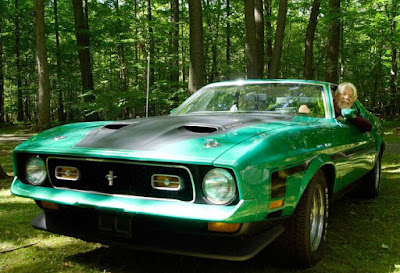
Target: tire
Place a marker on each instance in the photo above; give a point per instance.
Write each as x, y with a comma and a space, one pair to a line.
306, 232
372, 180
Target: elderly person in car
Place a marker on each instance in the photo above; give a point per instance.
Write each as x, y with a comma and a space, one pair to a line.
345, 96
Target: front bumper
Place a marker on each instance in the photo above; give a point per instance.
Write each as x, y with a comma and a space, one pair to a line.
134, 233
243, 211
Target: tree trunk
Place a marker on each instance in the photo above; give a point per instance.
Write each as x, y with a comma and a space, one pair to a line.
1, 74
393, 71
42, 67
20, 116
196, 66
136, 47
377, 76
228, 40
251, 45
60, 109
214, 46
308, 71
3, 174
268, 29
83, 42
331, 74
151, 42
279, 37
259, 21
174, 73
341, 55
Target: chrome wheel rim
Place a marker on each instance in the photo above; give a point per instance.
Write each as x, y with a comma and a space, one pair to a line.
317, 217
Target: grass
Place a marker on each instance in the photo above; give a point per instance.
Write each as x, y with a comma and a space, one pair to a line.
21, 128
363, 236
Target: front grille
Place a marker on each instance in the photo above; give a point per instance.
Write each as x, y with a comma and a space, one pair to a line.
121, 177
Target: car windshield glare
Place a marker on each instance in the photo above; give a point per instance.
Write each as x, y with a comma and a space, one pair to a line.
276, 98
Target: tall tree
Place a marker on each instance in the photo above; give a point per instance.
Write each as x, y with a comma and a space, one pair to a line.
331, 74
228, 40
1, 79
60, 108
308, 71
196, 66
1, 67
121, 51
42, 67
150, 42
377, 75
251, 43
393, 70
259, 21
268, 30
174, 73
83, 42
279, 37
214, 45
18, 63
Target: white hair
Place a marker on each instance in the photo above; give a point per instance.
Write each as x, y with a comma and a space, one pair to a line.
341, 87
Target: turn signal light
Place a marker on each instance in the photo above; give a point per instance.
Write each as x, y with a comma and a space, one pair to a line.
276, 204
49, 205
224, 227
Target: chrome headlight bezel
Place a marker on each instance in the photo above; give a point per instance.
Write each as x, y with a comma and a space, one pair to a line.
35, 171
219, 186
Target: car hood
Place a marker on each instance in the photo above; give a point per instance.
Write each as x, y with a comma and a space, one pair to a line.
189, 138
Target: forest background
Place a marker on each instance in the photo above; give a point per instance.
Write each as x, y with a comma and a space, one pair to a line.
72, 60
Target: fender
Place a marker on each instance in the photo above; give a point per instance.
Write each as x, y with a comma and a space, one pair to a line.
297, 184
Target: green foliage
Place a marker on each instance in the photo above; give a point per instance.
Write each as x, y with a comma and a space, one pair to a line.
120, 43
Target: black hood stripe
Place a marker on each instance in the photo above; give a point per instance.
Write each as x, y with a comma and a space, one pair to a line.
154, 133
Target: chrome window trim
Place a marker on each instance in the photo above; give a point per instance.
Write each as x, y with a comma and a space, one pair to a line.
129, 163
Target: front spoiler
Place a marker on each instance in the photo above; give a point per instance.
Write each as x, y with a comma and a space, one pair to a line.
237, 248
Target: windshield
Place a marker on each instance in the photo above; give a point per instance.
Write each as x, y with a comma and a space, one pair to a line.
276, 98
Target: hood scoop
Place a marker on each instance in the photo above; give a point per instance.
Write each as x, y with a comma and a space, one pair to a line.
115, 126
201, 129
119, 125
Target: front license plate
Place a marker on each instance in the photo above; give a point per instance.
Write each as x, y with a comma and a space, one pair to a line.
114, 224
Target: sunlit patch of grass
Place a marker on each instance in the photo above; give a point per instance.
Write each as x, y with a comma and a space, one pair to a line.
391, 168
396, 269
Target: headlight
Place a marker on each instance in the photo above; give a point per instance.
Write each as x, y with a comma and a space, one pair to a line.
219, 186
35, 171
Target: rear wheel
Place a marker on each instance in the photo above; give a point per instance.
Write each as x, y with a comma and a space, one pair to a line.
306, 233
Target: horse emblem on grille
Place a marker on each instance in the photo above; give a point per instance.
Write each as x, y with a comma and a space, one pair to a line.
110, 177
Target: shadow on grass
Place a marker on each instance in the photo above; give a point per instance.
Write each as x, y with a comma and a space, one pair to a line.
120, 260
362, 237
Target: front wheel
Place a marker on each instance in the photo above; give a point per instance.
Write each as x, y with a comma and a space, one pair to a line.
306, 232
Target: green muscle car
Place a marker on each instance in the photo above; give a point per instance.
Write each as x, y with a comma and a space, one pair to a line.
238, 165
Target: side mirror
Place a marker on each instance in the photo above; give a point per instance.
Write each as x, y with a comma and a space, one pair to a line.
172, 111
349, 113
